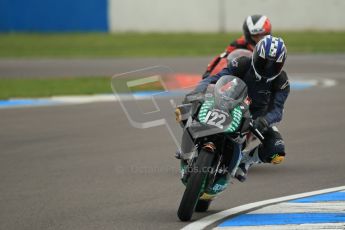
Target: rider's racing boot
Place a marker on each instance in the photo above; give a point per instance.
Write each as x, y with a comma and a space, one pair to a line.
249, 158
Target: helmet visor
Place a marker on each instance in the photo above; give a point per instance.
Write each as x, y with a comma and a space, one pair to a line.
266, 68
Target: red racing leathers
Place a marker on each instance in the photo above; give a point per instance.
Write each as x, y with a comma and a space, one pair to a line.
220, 61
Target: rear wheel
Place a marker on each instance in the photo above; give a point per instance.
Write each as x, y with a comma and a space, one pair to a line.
202, 205
194, 185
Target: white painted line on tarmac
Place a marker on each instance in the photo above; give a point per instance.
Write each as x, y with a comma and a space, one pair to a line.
67, 100
82, 99
206, 221
147, 95
328, 82
319, 207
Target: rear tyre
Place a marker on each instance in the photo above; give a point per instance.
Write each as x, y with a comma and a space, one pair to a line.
194, 185
202, 205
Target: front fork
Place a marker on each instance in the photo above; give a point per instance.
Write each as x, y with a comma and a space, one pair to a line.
187, 164
219, 183
237, 155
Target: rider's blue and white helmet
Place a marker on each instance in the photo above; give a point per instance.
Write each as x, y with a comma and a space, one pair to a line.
269, 57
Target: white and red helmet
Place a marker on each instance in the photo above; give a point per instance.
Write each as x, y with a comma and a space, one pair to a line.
256, 25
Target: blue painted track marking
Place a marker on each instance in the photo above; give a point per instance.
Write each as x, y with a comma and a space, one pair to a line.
337, 196
285, 218
302, 215
25, 102
299, 85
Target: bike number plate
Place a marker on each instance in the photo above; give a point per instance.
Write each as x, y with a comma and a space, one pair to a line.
217, 118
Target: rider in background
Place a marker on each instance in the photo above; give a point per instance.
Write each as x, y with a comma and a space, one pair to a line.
268, 89
255, 27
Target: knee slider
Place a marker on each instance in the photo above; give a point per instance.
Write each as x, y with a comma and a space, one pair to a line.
277, 158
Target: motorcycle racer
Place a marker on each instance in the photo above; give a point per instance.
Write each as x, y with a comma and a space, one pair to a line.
268, 89
255, 27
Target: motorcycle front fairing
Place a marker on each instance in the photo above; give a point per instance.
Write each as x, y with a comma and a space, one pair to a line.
218, 117
223, 106
219, 111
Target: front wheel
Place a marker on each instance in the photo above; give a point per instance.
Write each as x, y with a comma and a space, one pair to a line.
195, 185
202, 205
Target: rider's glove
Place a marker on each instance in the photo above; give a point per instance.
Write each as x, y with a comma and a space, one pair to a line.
260, 124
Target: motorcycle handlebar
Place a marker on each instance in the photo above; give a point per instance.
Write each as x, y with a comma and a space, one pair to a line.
256, 132
192, 97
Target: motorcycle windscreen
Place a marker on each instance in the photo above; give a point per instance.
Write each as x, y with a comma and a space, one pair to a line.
229, 92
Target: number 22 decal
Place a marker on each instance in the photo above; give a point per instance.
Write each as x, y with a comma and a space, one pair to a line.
215, 118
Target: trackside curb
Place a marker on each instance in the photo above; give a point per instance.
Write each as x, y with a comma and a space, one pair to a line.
209, 220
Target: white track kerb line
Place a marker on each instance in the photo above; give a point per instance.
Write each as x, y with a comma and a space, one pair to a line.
206, 221
296, 84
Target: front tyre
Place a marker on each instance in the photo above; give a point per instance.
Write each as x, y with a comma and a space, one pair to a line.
194, 185
202, 205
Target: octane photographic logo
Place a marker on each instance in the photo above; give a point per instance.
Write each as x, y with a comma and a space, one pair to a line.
149, 97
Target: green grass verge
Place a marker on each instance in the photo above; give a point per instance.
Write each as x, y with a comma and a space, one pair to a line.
17, 45
40, 87
46, 87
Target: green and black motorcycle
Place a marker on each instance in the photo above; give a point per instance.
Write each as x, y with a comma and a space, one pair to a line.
216, 124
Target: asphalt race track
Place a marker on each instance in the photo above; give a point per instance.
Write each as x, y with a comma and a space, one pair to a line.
85, 167
316, 64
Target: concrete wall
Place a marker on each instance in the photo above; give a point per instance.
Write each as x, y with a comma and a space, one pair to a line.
167, 15
163, 15
226, 15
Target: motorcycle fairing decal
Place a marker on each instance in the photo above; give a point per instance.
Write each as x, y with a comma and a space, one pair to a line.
236, 114
183, 169
219, 186
204, 109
